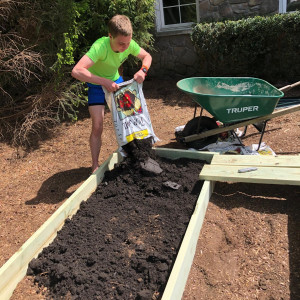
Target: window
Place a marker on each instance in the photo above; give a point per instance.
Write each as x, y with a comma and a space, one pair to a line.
288, 5
175, 14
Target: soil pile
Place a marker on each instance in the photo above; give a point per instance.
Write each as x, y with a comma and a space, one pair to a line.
140, 156
123, 241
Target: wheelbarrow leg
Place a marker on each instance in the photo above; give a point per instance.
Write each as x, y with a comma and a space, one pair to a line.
237, 137
195, 110
261, 130
262, 133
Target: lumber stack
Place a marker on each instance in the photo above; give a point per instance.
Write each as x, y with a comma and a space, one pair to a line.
265, 169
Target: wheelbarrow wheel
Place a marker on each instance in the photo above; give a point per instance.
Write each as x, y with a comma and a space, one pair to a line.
199, 125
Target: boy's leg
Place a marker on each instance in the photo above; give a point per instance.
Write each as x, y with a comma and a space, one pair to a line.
97, 115
96, 102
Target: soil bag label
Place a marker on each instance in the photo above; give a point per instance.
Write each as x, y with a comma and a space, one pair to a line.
130, 114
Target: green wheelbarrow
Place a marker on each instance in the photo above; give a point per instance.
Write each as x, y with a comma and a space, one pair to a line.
234, 101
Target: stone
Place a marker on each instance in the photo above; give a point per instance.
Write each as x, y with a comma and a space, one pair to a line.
240, 8
204, 6
268, 6
144, 295
216, 2
172, 185
255, 9
237, 1
179, 51
189, 58
151, 166
225, 10
254, 2
180, 69
163, 43
178, 40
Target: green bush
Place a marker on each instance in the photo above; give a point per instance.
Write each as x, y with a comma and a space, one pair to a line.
65, 29
264, 47
89, 22
40, 43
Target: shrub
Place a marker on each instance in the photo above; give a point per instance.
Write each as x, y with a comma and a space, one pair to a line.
87, 22
40, 42
265, 47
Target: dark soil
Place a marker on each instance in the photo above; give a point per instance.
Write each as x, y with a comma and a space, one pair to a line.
123, 241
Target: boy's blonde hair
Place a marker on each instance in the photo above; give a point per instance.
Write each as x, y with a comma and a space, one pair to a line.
119, 25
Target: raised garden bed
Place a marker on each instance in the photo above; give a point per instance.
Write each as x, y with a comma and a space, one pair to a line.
136, 224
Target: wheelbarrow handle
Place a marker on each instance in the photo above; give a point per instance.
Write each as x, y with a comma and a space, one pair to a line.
288, 87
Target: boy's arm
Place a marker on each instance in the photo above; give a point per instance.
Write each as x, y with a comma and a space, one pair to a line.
81, 72
146, 58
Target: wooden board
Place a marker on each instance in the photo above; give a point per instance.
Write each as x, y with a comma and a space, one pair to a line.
179, 275
257, 160
177, 153
266, 175
211, 132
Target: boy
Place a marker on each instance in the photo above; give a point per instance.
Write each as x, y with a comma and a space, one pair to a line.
99, 67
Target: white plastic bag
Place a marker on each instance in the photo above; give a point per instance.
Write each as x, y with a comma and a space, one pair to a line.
129, 113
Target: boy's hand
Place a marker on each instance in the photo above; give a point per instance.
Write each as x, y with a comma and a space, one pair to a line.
111, 86
139, 76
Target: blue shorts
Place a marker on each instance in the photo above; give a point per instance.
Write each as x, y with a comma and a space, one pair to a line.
96, 95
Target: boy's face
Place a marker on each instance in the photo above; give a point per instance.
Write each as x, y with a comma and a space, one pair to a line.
119, 43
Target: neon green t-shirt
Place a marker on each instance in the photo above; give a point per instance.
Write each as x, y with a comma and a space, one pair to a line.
107, 62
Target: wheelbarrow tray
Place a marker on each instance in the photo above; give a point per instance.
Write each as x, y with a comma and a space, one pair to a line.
232, 99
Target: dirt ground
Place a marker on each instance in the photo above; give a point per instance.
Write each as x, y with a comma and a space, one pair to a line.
249, 244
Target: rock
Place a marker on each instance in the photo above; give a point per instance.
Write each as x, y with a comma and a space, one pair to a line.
151, 166
144, 295
172, 185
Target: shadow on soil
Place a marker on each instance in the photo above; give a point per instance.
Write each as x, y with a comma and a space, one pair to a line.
56, 188
268, 199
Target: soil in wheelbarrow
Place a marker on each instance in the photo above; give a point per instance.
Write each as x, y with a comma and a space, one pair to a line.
124, 239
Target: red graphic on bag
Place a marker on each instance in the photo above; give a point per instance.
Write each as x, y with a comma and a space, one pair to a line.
128, 103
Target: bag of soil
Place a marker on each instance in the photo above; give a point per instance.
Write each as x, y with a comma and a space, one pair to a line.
130, 114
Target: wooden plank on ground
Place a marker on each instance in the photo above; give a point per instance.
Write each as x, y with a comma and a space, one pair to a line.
178, 153
180, 271
266, 175
211, 132
257, 160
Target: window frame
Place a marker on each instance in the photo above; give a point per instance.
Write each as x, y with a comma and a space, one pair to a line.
160, 21
179, 28
283, 7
